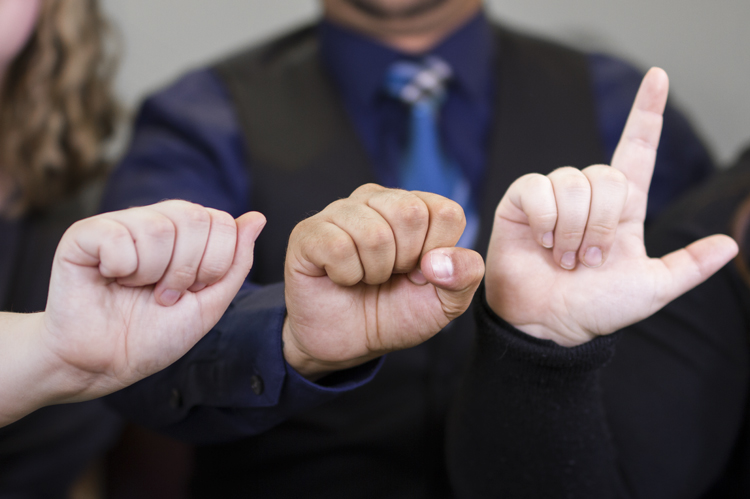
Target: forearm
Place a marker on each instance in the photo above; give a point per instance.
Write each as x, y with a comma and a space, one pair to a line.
31, 375
529, 421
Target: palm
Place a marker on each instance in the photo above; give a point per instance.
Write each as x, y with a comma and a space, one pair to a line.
568, 301
122, 332
346, 322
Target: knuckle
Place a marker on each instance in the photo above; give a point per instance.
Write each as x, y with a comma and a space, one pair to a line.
367, 189
299, 230
221, 217
348, 276
617, 179
576, 184
597, 169
412, 211
340, 248
223, 224
571, 181
185, 213
311, 231
108, 229
160, 227
340, 205
565, 171
377, 239
535, 180
451, 213
605, 220
545, 220
601, 227
571, 234
184, 275
608, 174
196, 215
213, 270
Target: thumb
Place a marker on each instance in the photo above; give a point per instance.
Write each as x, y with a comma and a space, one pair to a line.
456, 274
695, 263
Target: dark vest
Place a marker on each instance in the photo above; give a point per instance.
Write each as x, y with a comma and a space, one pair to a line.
385, 439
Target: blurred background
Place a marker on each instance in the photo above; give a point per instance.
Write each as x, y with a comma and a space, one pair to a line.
702, 45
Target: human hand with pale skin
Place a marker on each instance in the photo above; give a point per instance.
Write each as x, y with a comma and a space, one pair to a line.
131, 292
566, 260
373, 273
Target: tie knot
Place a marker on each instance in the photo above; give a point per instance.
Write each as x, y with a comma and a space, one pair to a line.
413, 82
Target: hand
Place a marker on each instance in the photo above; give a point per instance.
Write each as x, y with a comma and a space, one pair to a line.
354, 288
566, 260
132, 291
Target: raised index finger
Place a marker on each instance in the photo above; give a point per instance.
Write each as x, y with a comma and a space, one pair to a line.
635, 155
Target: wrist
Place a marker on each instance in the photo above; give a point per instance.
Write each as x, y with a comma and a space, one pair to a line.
561, 333
32, 375
308, 365
301, 361
542, 332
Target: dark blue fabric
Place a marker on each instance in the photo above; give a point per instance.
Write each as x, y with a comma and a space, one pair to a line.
9, 245
188, 144
213, 381
358, 66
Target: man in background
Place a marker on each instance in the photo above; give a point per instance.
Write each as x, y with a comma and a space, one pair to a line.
419, 94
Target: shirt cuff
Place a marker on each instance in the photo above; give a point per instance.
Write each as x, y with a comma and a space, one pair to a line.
235, 382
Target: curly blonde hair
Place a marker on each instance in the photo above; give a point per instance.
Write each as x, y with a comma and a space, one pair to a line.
57, 107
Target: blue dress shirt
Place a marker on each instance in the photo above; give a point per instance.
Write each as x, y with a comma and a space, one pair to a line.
187, 144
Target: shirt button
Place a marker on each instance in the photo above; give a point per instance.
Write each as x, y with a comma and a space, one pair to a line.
175, 399
256, 384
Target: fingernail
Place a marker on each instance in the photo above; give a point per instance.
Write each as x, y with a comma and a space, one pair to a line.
568, 260
197, 287
417, 277
169, 297
593, 257
442, 265
548, 240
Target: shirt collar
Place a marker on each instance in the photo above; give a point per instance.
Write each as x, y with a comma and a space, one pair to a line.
358, 63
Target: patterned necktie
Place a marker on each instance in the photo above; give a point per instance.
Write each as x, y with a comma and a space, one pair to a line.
424, 166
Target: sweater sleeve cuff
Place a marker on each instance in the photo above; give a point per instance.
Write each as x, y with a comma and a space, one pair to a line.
500, 339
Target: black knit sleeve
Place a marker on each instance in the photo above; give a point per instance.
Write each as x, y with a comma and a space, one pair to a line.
530, 417
659, 410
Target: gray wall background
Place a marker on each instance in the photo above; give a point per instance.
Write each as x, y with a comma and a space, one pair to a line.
701, 44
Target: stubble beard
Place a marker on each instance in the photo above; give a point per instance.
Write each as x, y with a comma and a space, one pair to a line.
374, 8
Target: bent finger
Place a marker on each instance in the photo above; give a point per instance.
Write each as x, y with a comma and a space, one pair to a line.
154, 236
573, 198
530, 200
220, 249
192, 225
408, 217
318, 248
609, 190
99, 242
370, 233
447, 221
